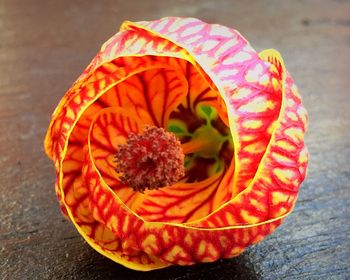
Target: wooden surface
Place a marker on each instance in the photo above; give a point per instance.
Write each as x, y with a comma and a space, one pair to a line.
44, 46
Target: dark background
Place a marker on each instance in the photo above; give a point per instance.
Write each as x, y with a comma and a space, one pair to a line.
45, 45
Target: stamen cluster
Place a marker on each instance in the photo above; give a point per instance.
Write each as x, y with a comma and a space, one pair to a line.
150, 160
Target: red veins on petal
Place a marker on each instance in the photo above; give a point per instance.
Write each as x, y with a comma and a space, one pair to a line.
245, 81
199, 91
110, 129
143, 93
77, 199
182, 202
108, 68
273, 191
169, 243
146, 74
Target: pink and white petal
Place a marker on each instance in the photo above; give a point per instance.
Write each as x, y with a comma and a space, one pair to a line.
273, 191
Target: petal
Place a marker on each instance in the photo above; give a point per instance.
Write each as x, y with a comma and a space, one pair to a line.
182, 202
74, 112
109, 129
201, 91
168, 242
273, 191
243, 79
76, 199
151, 94
109, 68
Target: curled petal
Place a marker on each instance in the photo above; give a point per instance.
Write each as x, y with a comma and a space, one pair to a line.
273, 191
245, 82
166, 243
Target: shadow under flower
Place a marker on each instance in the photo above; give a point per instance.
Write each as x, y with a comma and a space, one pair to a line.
99, 267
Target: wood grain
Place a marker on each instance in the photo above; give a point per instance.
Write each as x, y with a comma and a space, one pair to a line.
44, 46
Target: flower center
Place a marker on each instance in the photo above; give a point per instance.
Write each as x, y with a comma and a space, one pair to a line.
150, 160
206, 141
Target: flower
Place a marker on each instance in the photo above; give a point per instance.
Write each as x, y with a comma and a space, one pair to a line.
178, 144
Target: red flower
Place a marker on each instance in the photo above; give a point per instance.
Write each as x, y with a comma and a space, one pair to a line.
217, 167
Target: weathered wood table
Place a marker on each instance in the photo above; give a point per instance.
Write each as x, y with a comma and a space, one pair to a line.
44, 46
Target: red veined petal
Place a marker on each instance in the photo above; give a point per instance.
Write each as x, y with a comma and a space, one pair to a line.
111, 128
76, 200
201, 92
170, 243
274, 189
107, 69
151, 94
182, 202
243, 80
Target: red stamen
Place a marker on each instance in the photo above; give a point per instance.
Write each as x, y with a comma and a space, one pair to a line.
150, 160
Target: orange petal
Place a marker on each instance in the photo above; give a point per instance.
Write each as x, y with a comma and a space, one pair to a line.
170, 243
180, 203
243, 79
108, 69
274, 189
73, 112
110, 129
76, 199
152, 95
